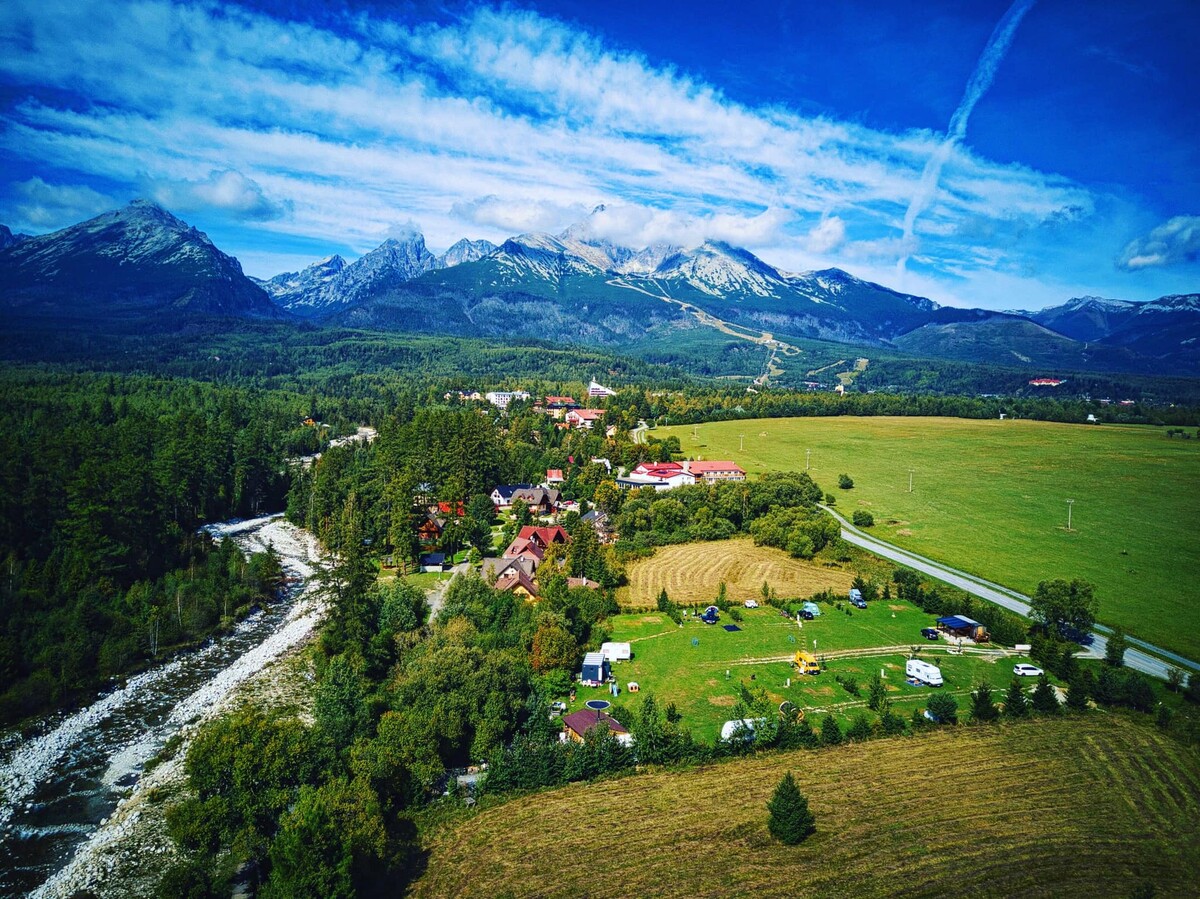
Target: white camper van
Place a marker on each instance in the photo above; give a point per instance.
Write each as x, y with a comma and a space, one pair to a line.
928, 674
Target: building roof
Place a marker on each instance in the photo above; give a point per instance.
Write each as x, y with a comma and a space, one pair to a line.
521, 547
517, 578
587, 414
560, 401
573, 582
535, 496
958, 622
433, 559
705, 467
585, 719
499, 566
544, 536
507, 490
554, 474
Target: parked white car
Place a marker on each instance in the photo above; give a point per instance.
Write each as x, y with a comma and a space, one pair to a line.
751, 604
1026, 670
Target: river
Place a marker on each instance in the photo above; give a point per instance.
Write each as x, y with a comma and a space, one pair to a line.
64, 790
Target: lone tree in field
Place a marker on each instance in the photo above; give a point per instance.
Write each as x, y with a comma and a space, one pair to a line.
790, 820
845, 482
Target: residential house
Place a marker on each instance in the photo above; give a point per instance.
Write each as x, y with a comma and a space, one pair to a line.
583, 419
518, 583
554, 476
540, 500
577, 724
445, 510
544, 536
523, 548
600, 523
430, 529
502, 496
493, 568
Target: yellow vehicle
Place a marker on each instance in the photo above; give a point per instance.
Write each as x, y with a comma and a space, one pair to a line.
806, 663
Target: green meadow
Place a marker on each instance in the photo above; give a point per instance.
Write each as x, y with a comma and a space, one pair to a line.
990, 497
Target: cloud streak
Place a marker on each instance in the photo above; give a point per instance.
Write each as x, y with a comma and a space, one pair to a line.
981, 80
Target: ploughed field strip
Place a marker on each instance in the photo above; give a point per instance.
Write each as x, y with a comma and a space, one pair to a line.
1078, 807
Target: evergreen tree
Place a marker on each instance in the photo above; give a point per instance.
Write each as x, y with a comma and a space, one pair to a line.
1016, 704
1045, 699
1114, 652
1078, 692
878, 694
831, 731
983, 707
790, 820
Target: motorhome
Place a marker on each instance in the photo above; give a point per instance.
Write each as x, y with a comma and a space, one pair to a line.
923, 672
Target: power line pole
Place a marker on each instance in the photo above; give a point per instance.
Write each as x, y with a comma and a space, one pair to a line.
807, 454
741, 442
910, 474
1069, 504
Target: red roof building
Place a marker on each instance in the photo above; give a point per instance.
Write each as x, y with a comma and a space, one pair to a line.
544, 536
577, 724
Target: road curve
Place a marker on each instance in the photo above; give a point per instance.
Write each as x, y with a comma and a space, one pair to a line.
1009, 599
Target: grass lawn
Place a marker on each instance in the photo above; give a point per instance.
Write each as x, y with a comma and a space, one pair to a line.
668, 664
990, 497
692, 572
1092, 806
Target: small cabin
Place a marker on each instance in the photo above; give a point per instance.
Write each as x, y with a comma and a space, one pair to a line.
596, 669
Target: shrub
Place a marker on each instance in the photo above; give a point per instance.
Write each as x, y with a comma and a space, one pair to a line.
845, 482
863, 519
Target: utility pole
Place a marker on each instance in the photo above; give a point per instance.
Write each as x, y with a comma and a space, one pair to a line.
807, 454
741, 441
910, 474
1069, 504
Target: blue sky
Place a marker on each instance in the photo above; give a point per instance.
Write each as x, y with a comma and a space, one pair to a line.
814, 134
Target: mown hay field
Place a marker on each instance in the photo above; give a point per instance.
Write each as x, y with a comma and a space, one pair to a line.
990, 497
692, 573
1089, 807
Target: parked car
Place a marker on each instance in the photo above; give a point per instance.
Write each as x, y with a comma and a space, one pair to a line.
806, 615
858, 602
751, 604
1024, 669
930, 633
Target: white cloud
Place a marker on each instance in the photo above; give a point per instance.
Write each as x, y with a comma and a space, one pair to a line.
40, 205
1173, 242
504, 121
828, 235
228, 191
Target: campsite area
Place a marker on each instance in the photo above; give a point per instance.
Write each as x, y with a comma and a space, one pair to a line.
701, 668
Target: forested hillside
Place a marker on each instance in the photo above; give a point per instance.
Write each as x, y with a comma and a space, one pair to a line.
103, 484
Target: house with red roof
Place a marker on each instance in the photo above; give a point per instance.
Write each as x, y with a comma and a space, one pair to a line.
544, 536
522, 548
583, 419
554, 476
577, 724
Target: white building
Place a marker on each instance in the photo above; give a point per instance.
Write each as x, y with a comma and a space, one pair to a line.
597, 389
501, 398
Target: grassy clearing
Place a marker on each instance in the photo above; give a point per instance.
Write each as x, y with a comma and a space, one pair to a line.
1079, 807
692, 572
989, 497
693, 676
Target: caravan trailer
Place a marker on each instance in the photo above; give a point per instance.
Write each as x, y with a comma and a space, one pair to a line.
923, 672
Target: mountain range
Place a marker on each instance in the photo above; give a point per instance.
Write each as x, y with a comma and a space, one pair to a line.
143, 265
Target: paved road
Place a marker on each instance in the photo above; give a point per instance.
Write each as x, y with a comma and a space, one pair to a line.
1011, 599
436, 595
